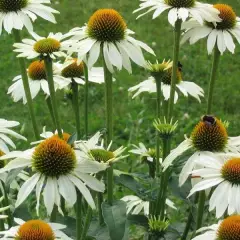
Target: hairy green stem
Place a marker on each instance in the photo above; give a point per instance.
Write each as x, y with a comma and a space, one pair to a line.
177, 34
50, 108
6, 203
86, 223
216, 60
200, 212
159, 95
78, 209
75, 102
49, 72
188, 225
109, 126
86, 86
100, 201
18, 39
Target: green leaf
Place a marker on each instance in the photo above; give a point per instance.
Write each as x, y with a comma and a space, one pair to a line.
22, 212
97, 232
115, 216
72, 139
12, 176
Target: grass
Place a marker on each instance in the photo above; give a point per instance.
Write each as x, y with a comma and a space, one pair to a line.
132, 118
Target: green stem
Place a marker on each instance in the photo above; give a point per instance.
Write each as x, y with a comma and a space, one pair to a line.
49, 72
200, 212
75, 102
188, 225
100, 201
78, 208
159, 94
177, 34
86, 100
53, 216
160, 193
6, 203
109, 126
25, 81
50, 108
216, 60
86, 223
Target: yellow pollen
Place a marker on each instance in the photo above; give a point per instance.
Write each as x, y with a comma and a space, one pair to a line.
47, 46
209, 135
36, 70
73, 70
227, 15
35, 230
229, 229
54, 157
106, 25
231, 171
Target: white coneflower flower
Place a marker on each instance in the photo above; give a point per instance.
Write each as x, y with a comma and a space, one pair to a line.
143, 152
222, 172
217, 33
15, 14
58, 171
37, 81
71, 70
91, 150
163, 71
228, 229
107, 29
180, 9
35, 229
4, 131
135, 205
53, 46
208, 138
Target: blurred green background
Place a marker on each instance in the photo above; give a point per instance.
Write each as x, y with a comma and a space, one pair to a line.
133, 117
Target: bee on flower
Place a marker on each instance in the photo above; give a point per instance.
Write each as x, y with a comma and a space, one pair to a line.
163, 72
208, 138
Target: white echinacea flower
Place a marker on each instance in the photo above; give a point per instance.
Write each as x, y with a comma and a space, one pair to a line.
15, 14
180, 9
227, 229
135, 205
35, 229
71, 70
58, 170
92, 150
4, 131
208, 138
107, 32
55, 45
163, 72
218, 34
223, 173
37, 81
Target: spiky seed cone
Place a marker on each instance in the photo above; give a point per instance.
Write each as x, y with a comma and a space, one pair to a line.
12, 5
54, 157
209, 135
101, 155
180, 3
35, 230
73, 70
47, 46
36, 70
231, 171
106, 25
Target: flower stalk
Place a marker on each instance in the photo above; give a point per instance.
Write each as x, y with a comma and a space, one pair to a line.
216, 60
50, 108
177, 34
78, 209
49, 72
109, 125
75, 103
86, 99
18, 39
